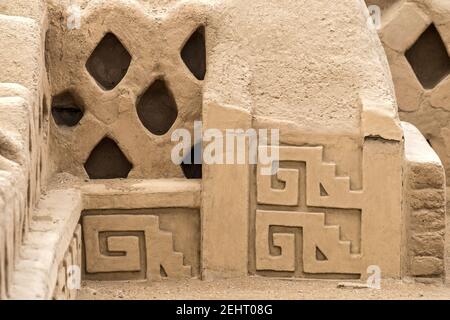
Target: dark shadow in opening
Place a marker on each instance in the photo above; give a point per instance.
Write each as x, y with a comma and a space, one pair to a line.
429, 58
66, 111
107, 161
109, 62
192, 164
194, 53
162, 272
157, 108
320, 256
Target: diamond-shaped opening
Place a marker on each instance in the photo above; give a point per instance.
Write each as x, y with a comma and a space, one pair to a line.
107, 161
109, 62
194, 53
192, 164
67, 110
429, 58
157, 108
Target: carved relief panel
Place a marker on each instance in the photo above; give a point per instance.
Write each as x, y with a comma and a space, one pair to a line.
307, 220
141, 244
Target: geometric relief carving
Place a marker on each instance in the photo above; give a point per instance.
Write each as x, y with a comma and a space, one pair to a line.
320, 177
66, 271
130, 247
287, 196
338, 258
307, 196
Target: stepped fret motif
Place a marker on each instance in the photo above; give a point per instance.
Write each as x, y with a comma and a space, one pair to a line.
323, 250
319, 175
316, 236
128, 243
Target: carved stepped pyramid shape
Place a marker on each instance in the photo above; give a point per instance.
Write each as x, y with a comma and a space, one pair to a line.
112, 251
92, 94
337, 257
320, 178
323, 189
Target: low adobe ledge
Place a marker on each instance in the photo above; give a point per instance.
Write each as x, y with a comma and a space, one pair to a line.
136, 194
425, 207
53, 243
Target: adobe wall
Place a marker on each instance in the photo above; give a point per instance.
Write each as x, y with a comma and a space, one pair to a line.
415, 35
24, 100
425, 202
326, 48
337, 117
85, 163
341, 100
421, 79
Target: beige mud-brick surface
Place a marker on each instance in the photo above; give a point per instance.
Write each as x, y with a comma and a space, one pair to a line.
330, 80
420, 25
258, 289
425, 203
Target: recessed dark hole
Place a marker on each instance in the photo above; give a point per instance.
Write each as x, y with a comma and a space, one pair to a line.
109, 62
107, 161
157, 108
323, 191
66, 111
429, 58
320, 256
191, 166
194, 53
162, 272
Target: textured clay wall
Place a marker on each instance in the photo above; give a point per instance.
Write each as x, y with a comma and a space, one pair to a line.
106, 75
311, 69
416, 37
24, 100
103, 89
424, 199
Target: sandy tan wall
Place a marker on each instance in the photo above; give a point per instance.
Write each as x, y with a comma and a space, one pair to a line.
24, 126
425, 202
416, 37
